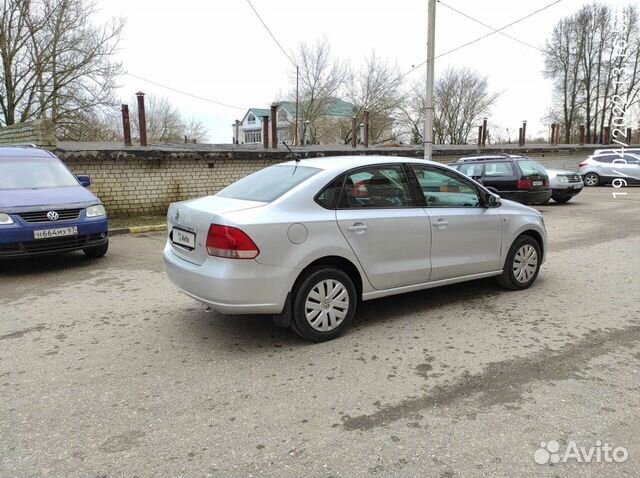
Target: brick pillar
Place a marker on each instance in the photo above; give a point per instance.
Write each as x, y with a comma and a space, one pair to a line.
142, 119
582, 134
365, 140
484, 132
274, 126
126, 125
354, 132
607, 135
265, 132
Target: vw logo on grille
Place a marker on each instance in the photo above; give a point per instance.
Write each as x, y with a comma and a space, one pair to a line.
52, 216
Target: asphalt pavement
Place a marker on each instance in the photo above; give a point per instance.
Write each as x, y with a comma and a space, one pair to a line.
106, 370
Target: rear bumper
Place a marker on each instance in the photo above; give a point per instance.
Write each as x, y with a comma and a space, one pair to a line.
17, 240
231, 286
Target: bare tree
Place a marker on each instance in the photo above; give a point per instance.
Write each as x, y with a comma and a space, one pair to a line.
195, 130
321, 81
56, 62
589, 68
461, 99
165, 124
376, 87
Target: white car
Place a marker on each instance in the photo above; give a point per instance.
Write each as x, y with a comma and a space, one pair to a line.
564, 184
307, 241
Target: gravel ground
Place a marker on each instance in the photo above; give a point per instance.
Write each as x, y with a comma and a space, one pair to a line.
106, 370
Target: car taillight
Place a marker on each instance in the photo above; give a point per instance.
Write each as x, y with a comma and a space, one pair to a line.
525, 184
583, 165
360, 189
230, 242
545, 182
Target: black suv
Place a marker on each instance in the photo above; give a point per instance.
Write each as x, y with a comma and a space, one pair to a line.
512, 176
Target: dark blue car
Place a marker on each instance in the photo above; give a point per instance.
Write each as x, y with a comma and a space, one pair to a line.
45, 209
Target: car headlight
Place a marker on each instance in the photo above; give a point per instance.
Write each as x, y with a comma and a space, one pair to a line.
96, 211
562, 179
5, 219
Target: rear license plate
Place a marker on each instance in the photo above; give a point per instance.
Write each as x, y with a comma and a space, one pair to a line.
537, 183
183, 238
58, 232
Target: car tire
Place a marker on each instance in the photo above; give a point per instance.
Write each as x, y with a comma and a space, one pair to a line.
97, 251
561, 199
324, 304
591, 179
522, 265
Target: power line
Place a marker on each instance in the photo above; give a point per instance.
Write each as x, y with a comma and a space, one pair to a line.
186, 93
271, 33
489, 26
498, 30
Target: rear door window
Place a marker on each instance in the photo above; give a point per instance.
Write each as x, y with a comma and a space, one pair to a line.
376, 187
494, 170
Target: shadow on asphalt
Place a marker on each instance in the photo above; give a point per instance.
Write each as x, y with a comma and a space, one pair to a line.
43, 264
245, 333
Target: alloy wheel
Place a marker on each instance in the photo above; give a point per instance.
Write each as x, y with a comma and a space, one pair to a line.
591, 179
525, 263
326, 305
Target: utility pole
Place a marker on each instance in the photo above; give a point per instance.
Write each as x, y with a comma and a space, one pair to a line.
428, 114
295, 130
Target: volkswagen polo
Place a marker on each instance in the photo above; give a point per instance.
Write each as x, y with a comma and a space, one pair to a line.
307, 241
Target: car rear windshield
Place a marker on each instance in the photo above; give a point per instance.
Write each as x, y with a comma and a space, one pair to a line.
34, 173
268, 184
531, 167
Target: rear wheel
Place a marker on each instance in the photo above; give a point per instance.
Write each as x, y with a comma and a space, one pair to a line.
97, 251
324, 304
591, 179
522, 265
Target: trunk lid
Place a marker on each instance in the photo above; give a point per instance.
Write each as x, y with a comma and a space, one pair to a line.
188, 223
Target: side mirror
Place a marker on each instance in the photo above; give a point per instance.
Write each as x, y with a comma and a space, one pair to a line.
85, 181
493, 200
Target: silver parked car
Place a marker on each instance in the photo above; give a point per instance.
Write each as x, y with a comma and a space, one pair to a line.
306, 241
564, 184
605, 166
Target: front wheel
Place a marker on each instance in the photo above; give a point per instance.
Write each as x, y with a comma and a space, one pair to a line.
324, 304
522, 265
561, 199
591, 179
97, 251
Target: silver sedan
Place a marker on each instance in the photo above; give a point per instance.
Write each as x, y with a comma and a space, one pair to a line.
306, 241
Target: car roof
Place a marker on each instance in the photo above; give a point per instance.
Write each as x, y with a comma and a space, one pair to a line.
343, 163
492, 157
24, 152
598, 152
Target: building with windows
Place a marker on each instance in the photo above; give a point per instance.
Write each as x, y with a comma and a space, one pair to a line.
249, 129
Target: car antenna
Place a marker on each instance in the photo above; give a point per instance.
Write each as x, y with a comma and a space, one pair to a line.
294, 155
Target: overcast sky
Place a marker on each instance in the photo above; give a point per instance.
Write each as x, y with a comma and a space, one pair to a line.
219, 50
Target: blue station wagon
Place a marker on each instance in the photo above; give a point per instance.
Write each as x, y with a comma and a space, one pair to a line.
45, 208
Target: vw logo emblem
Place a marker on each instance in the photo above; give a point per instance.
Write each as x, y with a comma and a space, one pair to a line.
177, 216
52, 216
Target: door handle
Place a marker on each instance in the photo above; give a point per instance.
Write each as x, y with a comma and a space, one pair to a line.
440, 224
358, 227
